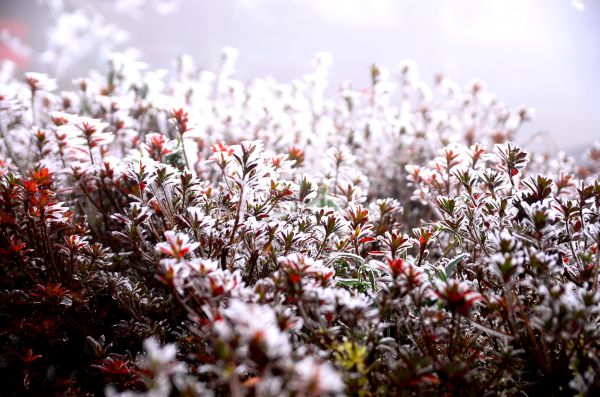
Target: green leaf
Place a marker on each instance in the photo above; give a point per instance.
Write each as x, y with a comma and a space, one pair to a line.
347, 255
353, 283
429, 275
451, 266
325, 199
371, 276
442, 276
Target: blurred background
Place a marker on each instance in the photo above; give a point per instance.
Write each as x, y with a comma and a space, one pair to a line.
543, 53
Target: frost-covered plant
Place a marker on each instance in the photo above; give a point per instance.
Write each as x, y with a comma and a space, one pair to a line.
388, 241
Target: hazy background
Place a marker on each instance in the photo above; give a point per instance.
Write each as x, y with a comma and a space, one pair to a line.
544, 53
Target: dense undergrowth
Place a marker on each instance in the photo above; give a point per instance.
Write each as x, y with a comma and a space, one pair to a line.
192, 235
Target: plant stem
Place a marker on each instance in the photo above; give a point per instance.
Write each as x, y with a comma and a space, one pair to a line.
11, 154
